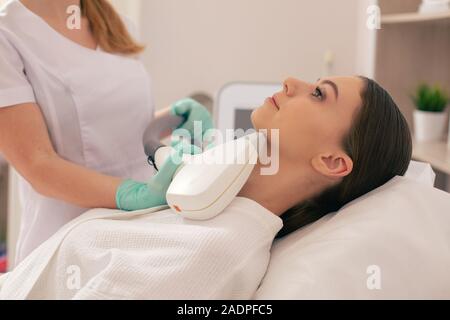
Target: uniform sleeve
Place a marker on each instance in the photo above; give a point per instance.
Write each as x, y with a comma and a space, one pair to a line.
14, 85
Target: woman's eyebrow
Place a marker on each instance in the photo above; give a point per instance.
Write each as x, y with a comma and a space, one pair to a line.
333, 85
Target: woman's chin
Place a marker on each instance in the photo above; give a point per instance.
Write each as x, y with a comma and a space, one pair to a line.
259, 119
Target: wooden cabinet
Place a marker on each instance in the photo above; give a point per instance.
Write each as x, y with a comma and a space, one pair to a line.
411, 48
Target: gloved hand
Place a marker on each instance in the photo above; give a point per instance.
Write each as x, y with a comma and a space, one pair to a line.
133, 195
192, 111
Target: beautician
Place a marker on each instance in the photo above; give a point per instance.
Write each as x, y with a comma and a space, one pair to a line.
74, 105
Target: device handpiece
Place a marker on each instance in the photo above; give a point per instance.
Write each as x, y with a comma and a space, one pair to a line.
151, 140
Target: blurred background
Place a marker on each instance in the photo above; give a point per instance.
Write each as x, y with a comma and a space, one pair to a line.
199, 45
196, 47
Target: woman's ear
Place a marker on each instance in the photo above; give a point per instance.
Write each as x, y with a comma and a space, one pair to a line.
333, 165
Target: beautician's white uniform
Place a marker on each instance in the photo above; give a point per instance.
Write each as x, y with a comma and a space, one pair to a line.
96, 106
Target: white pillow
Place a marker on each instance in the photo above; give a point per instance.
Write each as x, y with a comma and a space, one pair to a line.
398, 234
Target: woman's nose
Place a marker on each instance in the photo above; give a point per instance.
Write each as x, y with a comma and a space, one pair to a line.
293, 86
289, 87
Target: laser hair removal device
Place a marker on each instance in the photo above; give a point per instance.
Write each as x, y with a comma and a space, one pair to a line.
204, 184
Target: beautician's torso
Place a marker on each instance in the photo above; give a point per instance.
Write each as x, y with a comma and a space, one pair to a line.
96, 105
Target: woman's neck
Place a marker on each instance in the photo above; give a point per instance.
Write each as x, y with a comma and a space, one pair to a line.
50, 9
291, 185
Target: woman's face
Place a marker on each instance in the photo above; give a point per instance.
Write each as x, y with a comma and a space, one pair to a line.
312, 118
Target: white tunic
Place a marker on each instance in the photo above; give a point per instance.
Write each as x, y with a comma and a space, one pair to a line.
96, 106
150, 254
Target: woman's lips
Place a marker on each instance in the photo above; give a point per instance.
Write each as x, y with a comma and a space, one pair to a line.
274, 102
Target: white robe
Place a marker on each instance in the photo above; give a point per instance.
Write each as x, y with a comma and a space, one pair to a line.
150, 254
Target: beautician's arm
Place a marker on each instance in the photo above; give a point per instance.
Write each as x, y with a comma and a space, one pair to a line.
25, 143
162, 112
192, 111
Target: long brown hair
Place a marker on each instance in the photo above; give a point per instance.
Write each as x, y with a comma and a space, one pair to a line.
379, 143
108, 28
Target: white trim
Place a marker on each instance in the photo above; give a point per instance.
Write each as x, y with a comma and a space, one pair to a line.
411, 17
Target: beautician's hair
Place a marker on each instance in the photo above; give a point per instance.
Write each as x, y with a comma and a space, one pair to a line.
379, 143
108, 28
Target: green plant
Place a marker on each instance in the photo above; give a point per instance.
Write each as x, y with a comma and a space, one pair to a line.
430, 98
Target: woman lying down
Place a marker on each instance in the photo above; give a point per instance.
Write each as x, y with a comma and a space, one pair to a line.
339, 138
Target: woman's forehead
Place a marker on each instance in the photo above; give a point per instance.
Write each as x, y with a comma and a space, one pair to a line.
347, 82
350, 89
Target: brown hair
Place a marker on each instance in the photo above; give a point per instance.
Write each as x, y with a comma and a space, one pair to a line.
379, 143
108, 28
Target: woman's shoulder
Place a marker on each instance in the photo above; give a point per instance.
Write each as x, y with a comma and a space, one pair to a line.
251, 212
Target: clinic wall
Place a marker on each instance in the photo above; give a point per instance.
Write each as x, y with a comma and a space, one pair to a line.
203, 44
129, 8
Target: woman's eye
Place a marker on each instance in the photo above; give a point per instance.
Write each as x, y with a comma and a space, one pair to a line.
318, 93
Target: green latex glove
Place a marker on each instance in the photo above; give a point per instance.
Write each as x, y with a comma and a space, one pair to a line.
192, 111
133, 195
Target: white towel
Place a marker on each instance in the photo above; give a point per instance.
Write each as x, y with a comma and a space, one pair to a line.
150, 254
